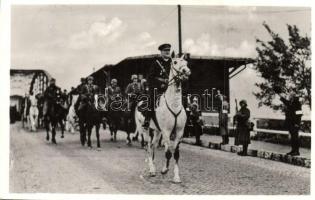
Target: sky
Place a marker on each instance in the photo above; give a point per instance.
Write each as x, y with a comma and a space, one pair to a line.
70, 41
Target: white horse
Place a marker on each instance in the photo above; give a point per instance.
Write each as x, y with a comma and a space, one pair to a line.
72, 116
171, 118
33, 113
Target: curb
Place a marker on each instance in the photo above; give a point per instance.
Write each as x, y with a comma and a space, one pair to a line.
280, 157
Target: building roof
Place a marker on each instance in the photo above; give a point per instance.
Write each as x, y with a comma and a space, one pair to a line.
21, 79
234, 61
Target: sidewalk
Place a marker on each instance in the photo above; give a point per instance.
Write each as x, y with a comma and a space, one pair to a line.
260, 149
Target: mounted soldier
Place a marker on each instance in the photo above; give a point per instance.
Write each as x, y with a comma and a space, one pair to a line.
158, 79
50, 95
53, 110
89, 90
113, 90
79, 91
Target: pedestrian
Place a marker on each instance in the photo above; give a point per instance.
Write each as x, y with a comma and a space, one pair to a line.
243, 127
158, 79
195, 118
223, 119
293, 115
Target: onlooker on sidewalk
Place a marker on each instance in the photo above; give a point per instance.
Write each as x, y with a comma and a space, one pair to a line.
223, 119
195, 115
242, 127
293, 115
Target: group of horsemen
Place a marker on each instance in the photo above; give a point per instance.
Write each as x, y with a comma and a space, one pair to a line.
155, 84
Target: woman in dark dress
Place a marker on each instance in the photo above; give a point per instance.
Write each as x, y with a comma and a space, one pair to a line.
243, 128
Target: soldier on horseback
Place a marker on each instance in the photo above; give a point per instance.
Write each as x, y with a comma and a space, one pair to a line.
158, 79
132, 91
89, 90
50, 95
113, 90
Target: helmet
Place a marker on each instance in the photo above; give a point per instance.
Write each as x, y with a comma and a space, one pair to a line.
243, 102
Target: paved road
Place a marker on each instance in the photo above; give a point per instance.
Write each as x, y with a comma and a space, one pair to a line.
39, 166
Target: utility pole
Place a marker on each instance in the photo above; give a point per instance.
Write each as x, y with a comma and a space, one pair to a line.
179, 31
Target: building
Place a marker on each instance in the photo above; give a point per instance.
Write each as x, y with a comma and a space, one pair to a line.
23, 82
209, 74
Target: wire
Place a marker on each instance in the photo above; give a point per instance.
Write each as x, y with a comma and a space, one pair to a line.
159, 23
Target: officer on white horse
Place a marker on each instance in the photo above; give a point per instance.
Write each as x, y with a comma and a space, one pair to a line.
158, 79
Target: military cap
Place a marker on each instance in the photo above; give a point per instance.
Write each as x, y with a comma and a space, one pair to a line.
90, 78
82, 79
243, 102
52, 79
165, 46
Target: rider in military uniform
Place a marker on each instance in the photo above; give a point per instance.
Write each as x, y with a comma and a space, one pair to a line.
134, 88
158, 79
81, 86
89, 90
113, 90
50, 95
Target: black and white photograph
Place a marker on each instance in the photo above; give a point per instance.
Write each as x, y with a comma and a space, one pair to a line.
157, 99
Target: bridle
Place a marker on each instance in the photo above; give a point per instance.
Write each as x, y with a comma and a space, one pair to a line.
176, 77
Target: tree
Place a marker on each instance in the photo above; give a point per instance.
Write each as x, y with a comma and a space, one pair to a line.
284, 67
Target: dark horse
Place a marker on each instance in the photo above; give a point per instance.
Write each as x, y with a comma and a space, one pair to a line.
56, 110
120, 118
89, 116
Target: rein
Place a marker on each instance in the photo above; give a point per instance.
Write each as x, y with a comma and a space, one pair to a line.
175, 116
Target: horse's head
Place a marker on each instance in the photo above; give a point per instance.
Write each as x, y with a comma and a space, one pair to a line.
179, 68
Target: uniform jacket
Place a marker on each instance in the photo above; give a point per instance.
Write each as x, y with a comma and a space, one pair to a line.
133, 88
113, 91
159, 69
89, 90
51, 93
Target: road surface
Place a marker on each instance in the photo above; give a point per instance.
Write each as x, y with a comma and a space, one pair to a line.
37, 166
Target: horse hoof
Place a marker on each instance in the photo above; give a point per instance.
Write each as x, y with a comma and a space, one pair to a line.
112, 139
98, 148
152, 174
47, 138
177, 180
54, 141
62, 136
164, 171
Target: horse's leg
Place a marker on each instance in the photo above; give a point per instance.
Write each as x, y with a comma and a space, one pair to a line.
176, 178
97, 130
150, 154
82, 130
142, 141
168, 156
89, 130
36, 122
53, 131
47, 128
62, 127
